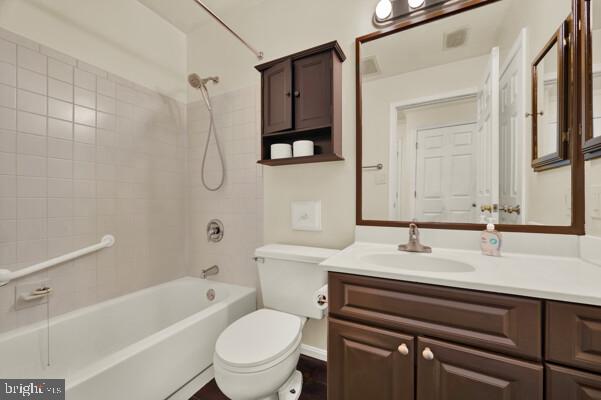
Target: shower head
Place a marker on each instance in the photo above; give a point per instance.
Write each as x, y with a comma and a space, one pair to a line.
197, 82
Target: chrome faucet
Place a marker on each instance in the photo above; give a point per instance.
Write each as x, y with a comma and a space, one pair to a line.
414, 246
205, 273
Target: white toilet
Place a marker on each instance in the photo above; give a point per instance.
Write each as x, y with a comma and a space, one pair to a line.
256, 356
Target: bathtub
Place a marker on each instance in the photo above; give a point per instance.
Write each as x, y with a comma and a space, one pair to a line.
145, 345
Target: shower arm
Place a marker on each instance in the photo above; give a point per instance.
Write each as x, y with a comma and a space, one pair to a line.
258, 53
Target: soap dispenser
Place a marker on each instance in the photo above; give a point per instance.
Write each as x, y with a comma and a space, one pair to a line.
490, 241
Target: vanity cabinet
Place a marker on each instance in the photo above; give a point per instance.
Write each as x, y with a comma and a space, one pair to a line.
391, 339
301, 99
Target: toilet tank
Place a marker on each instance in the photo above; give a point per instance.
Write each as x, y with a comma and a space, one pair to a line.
290, 276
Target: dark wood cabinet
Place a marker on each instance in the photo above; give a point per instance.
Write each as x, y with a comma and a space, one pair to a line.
369, 363
574, 335
461, 344
301, 99
569, 384
447, 371
277, 92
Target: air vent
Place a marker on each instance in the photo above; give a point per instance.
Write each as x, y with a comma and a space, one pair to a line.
455, 39
369, 66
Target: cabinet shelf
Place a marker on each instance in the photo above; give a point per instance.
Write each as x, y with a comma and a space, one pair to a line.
302, 160
304, 131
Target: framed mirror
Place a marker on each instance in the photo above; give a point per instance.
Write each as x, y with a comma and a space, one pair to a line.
549, 103
445, 125
591, 81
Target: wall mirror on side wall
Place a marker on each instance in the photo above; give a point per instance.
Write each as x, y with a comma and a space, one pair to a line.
464, 118
550, 140
591, 73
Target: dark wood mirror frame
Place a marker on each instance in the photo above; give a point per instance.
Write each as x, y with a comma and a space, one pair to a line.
591, 144
574, 121
561, 157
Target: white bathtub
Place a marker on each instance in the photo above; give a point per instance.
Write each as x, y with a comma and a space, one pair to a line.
145, 345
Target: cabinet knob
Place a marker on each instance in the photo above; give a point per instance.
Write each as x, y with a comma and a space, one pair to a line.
296, 93
403, 349
427, 354
287, 94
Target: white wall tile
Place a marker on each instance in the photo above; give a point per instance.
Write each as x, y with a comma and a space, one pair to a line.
61, 71
60, 187
31, 186
8, 208
84, 152
85, 79
8, 141
8, 118
106, 121
8, 231
8, 185
8, 163
31, 165
85, 134
106, 104
60, 90
31, 123
57, 56
60, 207
60, 129
31, 81
85, 116
85, 98
31, 60
31, 208
58, 148
31, 102
59, 168
8, 51
8, 96
60, 110
31, 229
106, 87
8, 74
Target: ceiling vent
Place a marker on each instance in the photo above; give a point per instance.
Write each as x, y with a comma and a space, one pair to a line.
370, 66
455, 39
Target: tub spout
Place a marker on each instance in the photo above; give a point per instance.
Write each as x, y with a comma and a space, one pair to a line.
214, 270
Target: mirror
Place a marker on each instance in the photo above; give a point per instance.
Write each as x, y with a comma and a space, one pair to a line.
445, 119
592, 78
549, 105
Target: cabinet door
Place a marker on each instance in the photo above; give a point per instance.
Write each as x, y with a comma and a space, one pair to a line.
277, 97
450, 372
567, 384
369, 363
313, 91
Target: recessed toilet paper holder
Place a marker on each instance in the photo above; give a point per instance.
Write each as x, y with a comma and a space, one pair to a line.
322, 299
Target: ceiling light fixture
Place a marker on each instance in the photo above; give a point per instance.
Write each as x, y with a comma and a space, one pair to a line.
415, 3
384, 9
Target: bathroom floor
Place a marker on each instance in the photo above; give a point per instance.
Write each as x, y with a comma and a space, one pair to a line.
314, 382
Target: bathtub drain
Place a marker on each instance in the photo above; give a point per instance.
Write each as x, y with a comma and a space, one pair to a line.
211, 294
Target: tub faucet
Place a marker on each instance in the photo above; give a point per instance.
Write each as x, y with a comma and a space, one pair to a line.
205, 273
414, 245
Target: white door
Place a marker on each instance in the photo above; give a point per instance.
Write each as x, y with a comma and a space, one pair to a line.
512, 134
487, 139
445, 174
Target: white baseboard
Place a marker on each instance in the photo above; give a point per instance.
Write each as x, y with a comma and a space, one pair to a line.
194, 385
314, 352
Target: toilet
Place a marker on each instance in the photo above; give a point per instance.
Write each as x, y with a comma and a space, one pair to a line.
256, 356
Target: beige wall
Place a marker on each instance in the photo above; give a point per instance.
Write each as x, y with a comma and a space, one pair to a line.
119, 36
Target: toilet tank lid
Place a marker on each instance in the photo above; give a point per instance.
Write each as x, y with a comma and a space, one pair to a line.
314, 255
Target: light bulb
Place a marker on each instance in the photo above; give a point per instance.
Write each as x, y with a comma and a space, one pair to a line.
415, 3
383, 9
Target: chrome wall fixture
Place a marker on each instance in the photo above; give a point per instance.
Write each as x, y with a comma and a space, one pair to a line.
258, 53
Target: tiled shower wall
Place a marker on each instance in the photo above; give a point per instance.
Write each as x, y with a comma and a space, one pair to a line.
84, 153
239, 204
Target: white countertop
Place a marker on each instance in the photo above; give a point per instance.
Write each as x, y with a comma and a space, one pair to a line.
553, 278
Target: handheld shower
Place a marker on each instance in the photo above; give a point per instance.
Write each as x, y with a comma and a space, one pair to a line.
201, 84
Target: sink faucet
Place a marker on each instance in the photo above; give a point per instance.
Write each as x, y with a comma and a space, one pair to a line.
414, 246
205, 273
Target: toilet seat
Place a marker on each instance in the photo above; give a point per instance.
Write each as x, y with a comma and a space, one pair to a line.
258, 341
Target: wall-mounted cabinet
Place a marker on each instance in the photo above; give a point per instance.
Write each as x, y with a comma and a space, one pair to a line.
301, 98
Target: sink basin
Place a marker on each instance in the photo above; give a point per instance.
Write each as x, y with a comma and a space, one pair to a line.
416, 262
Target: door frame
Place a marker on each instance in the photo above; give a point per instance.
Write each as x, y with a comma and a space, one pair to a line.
393, 142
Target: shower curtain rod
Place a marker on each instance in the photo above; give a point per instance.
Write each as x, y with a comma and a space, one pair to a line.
258, 53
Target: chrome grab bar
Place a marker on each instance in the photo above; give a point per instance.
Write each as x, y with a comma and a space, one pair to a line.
6, 276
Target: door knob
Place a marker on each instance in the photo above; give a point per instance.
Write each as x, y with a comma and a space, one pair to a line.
403, 349
427, 354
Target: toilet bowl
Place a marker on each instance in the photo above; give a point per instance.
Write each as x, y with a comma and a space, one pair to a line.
256, 356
